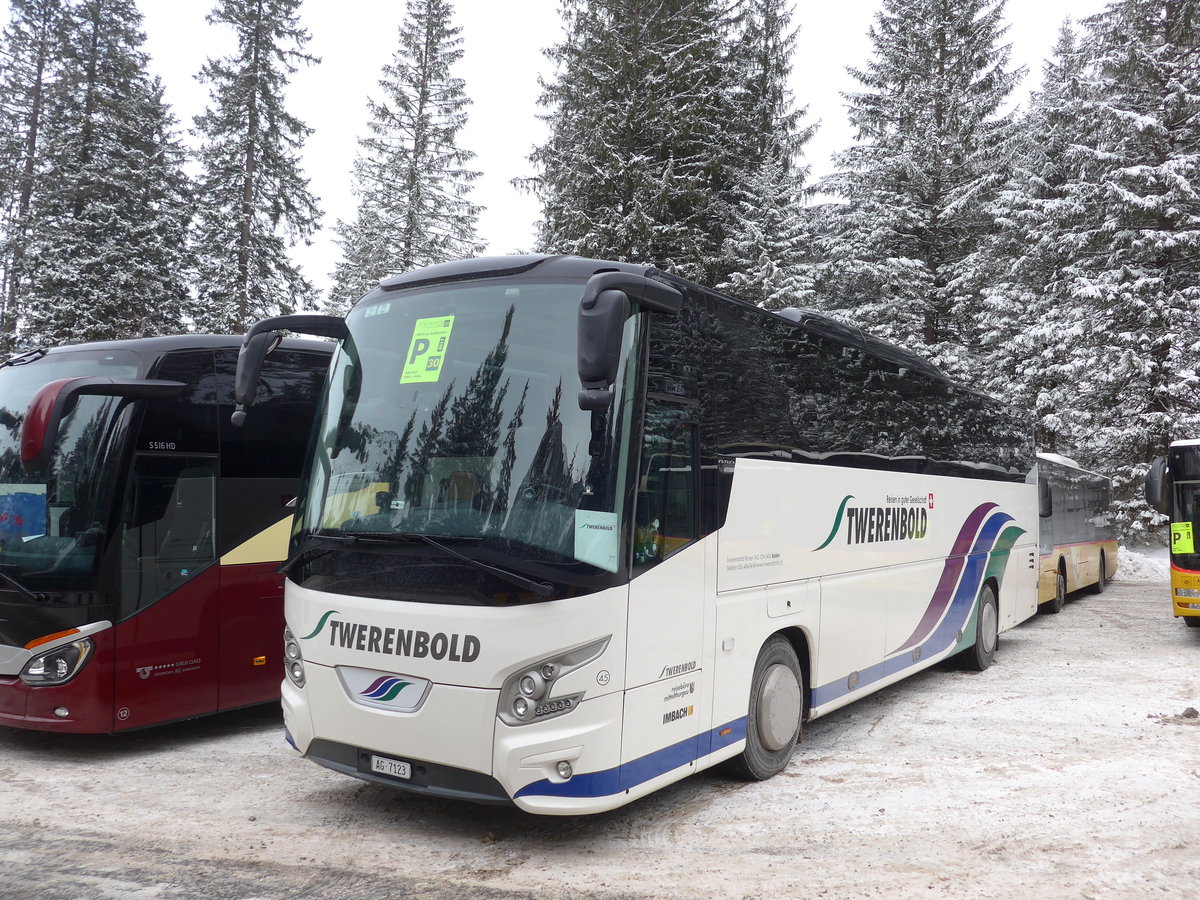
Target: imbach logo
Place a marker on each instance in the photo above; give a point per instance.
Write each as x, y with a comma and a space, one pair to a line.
397, 641
907, 520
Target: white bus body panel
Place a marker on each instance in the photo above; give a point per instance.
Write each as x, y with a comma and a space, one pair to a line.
669, 694
889, 597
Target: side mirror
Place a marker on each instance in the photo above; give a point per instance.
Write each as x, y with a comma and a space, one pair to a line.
607, 302
54, 402
1157, 488
1045, 499
262, 338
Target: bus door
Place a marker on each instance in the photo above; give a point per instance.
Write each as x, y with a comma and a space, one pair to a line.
167, 644
664, 710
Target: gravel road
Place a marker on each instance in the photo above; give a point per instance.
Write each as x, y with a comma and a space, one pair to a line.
1069, 769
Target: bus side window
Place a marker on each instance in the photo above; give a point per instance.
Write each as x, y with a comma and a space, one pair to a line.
665, 517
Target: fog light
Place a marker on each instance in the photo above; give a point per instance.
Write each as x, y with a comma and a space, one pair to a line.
61, 711
295, 672
565, 770
293, 659
521, 707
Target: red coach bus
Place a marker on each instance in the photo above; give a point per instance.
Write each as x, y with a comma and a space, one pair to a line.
140, 532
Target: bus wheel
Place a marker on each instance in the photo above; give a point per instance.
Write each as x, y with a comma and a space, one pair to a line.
776, 708
1055, 606
1102, 581
987, 632
1191, 621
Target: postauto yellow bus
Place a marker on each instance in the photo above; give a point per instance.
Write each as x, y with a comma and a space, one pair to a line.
1173, 488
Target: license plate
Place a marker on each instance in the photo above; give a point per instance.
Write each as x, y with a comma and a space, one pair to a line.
394, 767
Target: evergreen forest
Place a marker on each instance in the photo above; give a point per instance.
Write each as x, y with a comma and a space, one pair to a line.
1043, 246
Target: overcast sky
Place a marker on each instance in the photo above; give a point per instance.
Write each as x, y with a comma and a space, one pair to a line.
503, 43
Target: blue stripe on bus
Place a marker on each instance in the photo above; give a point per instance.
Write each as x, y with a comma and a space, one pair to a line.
629, 775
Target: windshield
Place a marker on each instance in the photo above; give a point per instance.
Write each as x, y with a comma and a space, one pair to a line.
52, 520
453, 413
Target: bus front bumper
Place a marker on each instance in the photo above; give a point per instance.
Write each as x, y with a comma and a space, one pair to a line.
478, 758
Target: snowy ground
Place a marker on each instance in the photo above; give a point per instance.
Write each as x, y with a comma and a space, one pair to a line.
1070, 769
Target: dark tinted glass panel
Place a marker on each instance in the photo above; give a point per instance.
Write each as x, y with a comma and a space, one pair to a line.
1079, 504
187, 424
771, 389
273, 440
665, 516
168, 535
1185, 463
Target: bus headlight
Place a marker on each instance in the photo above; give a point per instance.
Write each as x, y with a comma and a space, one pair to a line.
1192, 593
526, 694
293, 659
57, 666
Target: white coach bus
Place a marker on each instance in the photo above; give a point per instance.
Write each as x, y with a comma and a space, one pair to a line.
574, 530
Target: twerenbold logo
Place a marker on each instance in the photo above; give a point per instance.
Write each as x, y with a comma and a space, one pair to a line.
385, 689
321, 624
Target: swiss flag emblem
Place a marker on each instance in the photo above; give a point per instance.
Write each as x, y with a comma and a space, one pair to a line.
931, 501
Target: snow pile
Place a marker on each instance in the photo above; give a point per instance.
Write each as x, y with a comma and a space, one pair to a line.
1143, 565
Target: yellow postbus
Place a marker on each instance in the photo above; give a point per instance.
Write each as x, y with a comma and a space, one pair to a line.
1077, 539
1173, 488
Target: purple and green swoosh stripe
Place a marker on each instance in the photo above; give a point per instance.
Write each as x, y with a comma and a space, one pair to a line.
980, 551
385, 688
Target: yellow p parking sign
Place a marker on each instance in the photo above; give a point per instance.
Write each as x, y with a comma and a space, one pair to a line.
427, 350
1182, 540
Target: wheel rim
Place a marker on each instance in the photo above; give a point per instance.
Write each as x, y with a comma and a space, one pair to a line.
989, 626
779, 707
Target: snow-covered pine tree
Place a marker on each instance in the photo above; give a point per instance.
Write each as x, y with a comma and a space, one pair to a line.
109, 214
767, 249
1135, 243
767, 256
928, 156
30, 49
1033, 322
253, 203
637, 152
410, 177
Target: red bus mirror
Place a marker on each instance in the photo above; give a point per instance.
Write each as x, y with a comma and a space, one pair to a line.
54, 402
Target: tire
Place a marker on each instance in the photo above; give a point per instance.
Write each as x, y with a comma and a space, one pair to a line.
773, 722
1055, 606
1191, 621
987, 632
1102, 581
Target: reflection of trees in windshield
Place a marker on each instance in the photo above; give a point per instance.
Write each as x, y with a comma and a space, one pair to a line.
427, 446
499, 501
547, 484
465, 467
466, 426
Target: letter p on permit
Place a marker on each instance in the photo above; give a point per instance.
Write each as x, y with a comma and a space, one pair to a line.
420, 347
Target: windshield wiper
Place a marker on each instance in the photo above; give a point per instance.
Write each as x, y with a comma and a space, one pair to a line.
35, 596
541, 588
326, 542
27, 357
